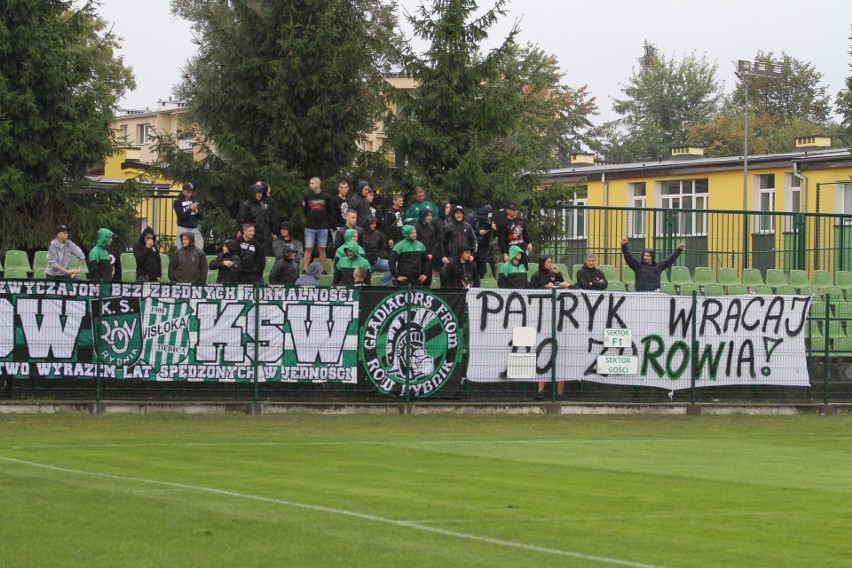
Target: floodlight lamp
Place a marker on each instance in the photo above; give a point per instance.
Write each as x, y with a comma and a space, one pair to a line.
743, 66
776, 69
760, 67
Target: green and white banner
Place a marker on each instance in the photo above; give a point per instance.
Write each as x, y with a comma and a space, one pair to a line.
178, 332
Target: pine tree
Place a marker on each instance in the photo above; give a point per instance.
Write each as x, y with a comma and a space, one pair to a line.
60, 79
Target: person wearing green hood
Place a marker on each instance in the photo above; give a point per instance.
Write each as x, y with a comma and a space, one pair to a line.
409, 263
100, 267
353, 257
513, 274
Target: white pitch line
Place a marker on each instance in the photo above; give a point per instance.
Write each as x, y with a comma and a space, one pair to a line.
341, 512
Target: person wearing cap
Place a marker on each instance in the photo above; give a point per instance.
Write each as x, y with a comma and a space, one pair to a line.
286, 269
59, 255
514, 234
461, 272
375, 248
189, 212
285, 237
100, 263
426, 235
312, 276
227, 263
318, 209
149, 266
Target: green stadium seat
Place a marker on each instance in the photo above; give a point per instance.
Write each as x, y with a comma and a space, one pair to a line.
786, 290
574, 269
270, 262
212, 275
40, 261
164, 265
799, 278
128, 261
737, 289
616, 286
714, 289
15, 273
809, 291
815, 338
729, 277
818, 309
834, 294
128, 274
752, 277
775, 278
17, 259
843, 310
704, 276
765, 289
680, 276
609, 271
667, 288
687, 288
664, 276
843, 280
822, 279
488, 283
628, 276
325, 280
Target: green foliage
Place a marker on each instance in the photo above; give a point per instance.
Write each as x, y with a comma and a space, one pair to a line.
796, 95
60, 79
843, 104
280, 91
481, 127
662, 98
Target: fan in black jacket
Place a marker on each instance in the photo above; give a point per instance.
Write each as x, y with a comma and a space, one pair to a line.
149, 266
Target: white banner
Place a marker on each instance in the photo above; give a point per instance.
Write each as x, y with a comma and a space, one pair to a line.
739, 340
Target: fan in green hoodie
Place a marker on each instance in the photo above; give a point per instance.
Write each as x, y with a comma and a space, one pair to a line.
513, 274
353, 257
100, 267
408, 260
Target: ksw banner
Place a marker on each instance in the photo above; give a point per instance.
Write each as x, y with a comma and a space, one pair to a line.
737, 339
178, 332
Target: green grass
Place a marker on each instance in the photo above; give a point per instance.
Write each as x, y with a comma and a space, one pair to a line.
307, 490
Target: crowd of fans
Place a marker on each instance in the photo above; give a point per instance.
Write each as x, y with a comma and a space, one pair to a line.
408, 245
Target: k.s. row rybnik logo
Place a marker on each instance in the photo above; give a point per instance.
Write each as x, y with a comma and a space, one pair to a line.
411, 341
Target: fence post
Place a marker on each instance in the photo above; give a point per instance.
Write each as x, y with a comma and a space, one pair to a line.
825, 366
256, 363
693, 363
553, 345
408, 345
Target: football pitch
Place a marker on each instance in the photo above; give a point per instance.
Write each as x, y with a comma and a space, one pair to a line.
316, 490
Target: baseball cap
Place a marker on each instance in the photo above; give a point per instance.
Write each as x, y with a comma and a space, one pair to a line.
512, 207
188, 186
61, 228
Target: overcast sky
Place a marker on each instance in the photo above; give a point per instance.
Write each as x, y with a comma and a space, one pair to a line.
597, 44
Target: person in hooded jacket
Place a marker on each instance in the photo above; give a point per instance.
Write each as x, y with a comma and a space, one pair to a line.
374, 244
461, 272
408, 261
648, 271
252, 257
227, 263
360, 203
482, 224
513, 274
100, 265
286, 269
311, 276
426, 235
59, 255
259, 211
188, 264
353, 258
285, 237
457, 235
547, 275
148, 263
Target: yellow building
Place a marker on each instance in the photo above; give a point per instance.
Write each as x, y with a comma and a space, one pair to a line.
135, 129
795, 203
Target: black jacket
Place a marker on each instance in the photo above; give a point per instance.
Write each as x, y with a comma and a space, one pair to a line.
591, 279
461, 275
252, 261
148, 262
648, 275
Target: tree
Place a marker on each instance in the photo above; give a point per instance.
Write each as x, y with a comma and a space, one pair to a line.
844, 108
797, 94
281, 91
662, 98
480, 127
60, 79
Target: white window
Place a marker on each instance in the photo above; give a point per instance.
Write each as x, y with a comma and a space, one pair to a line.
575, 220
792, 199
764, 198
142, 132
843, 201
122, 132
186, 143
636, 197
689, 198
